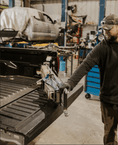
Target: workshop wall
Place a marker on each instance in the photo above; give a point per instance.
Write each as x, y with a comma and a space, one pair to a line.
112, 7
84, 7
50, 8
6, 2
18, 3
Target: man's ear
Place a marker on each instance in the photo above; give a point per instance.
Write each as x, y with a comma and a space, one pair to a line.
117, 27
117, 30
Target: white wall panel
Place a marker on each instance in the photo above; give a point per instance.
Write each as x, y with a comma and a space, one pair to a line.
95, 11
89, 11
53, 8
5, 2
116, 7
111, 7
37, 6
83, 9
18, 3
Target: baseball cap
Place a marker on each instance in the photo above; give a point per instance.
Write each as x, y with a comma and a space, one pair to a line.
108, 22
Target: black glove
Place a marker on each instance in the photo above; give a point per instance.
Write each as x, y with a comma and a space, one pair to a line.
64, 85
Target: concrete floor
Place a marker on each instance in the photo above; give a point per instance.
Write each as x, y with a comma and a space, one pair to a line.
82, 126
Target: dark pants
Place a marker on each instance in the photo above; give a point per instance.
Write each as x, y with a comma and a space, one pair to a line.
110, 120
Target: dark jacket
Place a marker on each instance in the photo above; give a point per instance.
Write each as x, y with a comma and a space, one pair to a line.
105, 55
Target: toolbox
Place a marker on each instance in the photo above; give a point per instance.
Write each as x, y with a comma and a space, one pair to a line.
92, 82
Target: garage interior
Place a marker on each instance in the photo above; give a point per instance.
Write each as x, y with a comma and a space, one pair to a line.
42, 43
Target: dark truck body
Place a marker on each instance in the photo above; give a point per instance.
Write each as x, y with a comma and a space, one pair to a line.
22, 118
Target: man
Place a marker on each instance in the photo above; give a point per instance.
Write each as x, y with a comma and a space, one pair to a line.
105, 55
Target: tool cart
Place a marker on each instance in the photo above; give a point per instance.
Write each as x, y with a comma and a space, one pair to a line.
92, 82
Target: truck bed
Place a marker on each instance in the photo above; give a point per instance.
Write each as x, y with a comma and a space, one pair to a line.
25, 109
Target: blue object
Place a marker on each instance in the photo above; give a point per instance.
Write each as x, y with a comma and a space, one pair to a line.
47, 76
63, 11
82, 51
62, 66
93, 91
87, 51
92, 85
102, 4
11, 3
64, 16
101, 11
8, 45
23, 45
61, 58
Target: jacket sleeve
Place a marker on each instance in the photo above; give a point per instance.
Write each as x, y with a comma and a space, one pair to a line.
93, 58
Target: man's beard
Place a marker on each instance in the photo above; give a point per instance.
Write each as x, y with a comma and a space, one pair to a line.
111, 38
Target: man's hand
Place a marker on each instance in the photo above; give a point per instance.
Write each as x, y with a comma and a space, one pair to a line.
64, 85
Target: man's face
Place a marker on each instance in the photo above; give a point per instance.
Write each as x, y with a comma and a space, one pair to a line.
111, 35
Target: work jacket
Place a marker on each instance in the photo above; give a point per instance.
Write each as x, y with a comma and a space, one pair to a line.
105, 55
